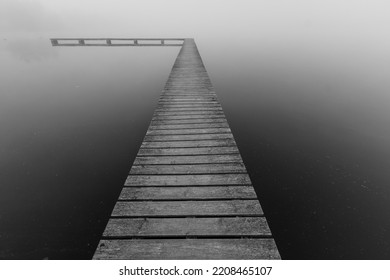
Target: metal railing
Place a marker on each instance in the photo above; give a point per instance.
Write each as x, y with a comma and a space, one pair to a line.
115, 42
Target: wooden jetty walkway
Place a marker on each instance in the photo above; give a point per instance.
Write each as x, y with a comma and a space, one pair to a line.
188, 194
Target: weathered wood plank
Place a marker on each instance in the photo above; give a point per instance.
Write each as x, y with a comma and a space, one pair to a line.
193, 109
172, 89
182, 80
167, 249
181, 90
190, 144
188, 108
188, 99
188, 151
187, 92
187, 121
189, 113
188, 131
187, 104
165, 108
188, 126
188, 117
210, 159
220, 208
175, 193
200, 100
188, 79
172, 103
189, 227
188, 180
188, 82
189, 137
188, 169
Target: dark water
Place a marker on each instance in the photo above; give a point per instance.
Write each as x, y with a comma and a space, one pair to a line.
305, 90
71, 124
318, 154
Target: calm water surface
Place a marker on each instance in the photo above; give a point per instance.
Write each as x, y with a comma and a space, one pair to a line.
71, 124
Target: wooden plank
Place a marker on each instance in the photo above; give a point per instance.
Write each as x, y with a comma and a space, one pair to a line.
189, 88
189, 137
186, 104
174, 193
188, 83
188, 117
177, 99
188, 131
187, 107
188, 169
193, 249
190, 144
202, 97
188, 126
187, 121
210, 159
177, 85
188, 99
189, 103
220, 208
188, 151
188, 80
189, 227
191, 108
189, 113
189, 93
188, 180
178, 80
182, 88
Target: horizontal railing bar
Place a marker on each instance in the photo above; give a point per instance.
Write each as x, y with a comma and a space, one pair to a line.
118, 45
121, 39
109, 42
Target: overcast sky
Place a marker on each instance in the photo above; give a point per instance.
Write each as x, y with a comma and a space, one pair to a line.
284, 20
334, 34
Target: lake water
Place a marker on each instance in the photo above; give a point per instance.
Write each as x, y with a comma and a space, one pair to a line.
310, 114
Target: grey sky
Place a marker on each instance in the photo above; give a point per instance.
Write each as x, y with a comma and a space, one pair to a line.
249, 33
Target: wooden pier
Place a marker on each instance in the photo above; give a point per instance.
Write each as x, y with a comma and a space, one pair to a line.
188, 194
